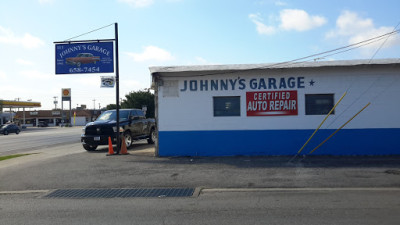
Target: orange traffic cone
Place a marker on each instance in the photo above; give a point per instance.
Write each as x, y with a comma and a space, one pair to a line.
110, 147
124, 150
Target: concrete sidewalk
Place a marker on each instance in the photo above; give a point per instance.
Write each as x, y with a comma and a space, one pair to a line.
77, 168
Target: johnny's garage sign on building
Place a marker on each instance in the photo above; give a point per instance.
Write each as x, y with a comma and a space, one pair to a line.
259, 103
273, 110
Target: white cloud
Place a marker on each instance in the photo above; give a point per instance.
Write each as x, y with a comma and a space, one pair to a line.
12, 91
299, 20
27, 40
24, 62
280, 3
3, 75
351, 27
132, 85
201, 60
349, 23
260, 26
138, 3
37, 75
93, 81
289, 19
151, 53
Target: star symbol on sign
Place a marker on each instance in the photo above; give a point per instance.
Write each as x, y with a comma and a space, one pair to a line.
312, 83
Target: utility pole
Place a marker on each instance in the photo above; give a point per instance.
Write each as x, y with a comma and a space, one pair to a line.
55, 102
12, 118
94, 104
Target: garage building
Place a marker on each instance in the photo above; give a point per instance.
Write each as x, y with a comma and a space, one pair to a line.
273, 109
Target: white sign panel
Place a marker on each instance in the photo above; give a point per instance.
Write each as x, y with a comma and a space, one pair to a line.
107, 82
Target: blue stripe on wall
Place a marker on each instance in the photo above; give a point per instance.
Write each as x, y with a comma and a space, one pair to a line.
278, 142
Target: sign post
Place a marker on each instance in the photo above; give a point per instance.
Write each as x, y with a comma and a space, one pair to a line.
117, 86
90, 56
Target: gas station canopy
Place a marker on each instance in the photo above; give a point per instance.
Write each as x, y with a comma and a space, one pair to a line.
19, 104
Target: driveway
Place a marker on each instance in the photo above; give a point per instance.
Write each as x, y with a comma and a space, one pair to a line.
69, 166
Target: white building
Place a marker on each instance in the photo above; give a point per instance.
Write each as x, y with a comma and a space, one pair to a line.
273, 109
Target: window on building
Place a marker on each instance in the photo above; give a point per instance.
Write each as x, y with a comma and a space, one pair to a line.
227, 106
319, 104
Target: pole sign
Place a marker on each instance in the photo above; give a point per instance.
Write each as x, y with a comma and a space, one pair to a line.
107, 82
271, 103
93, 57
66, 94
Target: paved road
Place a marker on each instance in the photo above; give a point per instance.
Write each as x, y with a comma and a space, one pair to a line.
328, 207
38, 138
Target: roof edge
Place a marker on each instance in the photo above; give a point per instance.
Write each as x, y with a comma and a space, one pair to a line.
272, 66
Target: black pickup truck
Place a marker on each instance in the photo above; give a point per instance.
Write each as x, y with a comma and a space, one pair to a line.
133, 126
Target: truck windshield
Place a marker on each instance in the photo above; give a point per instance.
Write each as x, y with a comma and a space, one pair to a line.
112, 116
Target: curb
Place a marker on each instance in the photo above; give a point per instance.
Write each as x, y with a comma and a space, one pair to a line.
212, 190
23, 192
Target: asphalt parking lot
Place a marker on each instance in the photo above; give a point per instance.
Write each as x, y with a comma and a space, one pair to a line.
69, 166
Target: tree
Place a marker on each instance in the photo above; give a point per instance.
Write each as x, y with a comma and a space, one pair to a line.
138, 99
111, 106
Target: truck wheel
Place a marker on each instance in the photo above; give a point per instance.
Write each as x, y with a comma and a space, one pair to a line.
89, 147
152, 137
128, 139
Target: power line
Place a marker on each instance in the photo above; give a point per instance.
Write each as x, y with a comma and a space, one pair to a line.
295, 61
346, 50
372, 84
368, 41
383, 44
89, 32
359, 97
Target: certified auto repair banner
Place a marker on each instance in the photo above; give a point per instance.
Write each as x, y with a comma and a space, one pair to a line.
271, 103
93, 57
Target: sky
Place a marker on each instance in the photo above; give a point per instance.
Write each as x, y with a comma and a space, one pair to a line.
179, 32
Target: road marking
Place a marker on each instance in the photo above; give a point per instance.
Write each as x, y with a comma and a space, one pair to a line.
199, 190
23, 192
210, 190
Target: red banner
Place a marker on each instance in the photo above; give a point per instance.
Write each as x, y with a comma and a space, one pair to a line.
271, 103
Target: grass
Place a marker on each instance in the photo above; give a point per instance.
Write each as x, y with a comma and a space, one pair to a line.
13, 156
